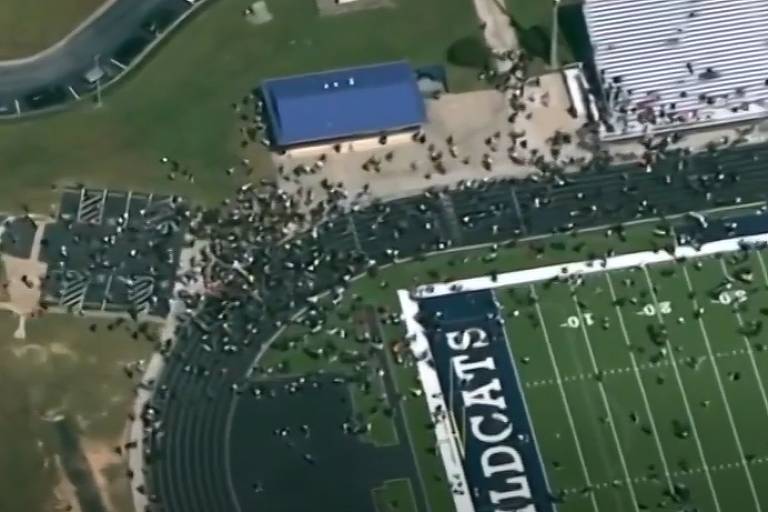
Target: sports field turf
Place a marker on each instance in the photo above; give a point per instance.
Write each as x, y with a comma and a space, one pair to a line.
684, 413
622, 414
297, 350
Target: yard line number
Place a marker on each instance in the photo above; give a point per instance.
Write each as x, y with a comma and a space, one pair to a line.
730, 296
664, 308
573, 322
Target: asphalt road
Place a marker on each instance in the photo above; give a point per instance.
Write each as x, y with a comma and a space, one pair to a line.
191, 465
115, 38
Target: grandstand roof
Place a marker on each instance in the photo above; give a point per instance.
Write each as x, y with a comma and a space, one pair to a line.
680, 63
343, 103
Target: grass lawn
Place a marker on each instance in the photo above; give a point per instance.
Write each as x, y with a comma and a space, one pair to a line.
394, 496
179, 104
29, 27
371, 406
61, 368
534, 17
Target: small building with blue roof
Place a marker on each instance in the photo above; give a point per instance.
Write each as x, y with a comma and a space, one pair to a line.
343, 104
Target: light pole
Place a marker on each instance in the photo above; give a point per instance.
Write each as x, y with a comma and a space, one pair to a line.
553, 57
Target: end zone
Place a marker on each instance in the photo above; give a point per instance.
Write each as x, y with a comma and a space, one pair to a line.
484, 432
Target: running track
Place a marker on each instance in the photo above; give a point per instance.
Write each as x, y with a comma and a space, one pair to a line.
189, 470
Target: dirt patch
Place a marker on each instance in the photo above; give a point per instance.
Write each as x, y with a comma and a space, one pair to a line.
108, 471
61, 349
32, 352
23, 277
64, 493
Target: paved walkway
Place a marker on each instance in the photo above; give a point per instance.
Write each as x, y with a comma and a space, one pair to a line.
498, 32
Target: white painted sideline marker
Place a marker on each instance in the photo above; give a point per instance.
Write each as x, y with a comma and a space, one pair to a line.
620, 262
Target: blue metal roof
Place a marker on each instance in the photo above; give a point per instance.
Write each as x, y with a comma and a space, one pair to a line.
343, 103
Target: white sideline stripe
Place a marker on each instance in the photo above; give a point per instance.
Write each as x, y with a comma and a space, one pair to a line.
726, 402
639, 381
604, 397
446, 441
623, 261
686, 404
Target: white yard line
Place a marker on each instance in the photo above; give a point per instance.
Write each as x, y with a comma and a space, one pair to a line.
762, 267
686, 404
727, 404
606, 404
564, 398
520, 387
639, 380
750, 352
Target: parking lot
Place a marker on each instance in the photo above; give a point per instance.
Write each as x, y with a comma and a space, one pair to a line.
93, 58
113, 251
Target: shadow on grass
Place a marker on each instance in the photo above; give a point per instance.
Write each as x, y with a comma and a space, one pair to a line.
76, 466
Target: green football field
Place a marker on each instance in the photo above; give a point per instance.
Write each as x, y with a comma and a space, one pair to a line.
647, 380
619, 418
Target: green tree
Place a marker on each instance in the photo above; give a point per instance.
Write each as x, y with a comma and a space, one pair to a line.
469, 52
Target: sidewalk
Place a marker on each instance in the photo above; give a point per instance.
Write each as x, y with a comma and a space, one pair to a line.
499, 34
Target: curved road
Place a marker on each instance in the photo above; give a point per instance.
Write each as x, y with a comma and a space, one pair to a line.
115, 38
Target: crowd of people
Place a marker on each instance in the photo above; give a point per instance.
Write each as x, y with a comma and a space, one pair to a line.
272, 247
